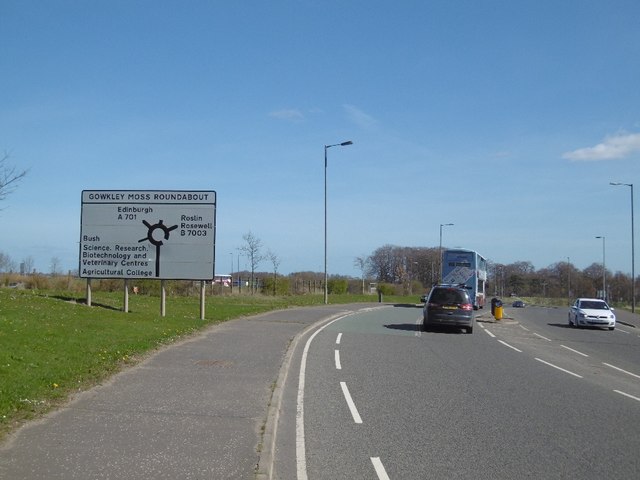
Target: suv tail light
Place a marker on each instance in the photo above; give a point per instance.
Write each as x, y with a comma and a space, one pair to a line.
466, 306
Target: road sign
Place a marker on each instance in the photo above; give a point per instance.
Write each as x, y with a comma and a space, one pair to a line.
154, 234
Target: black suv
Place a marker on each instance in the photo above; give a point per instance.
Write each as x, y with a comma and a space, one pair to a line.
448, 305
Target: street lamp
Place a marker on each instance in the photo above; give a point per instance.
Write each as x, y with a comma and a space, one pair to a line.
569, 280
633, 262
604, 271
440, 248
326, 147
410, 268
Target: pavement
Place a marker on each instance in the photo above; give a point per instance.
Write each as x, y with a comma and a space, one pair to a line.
199, 409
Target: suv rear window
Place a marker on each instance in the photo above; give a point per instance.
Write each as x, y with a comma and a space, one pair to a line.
448, 296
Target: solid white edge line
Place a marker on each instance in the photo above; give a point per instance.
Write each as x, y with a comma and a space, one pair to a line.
627, 395
620, 370
338, 339
558, 368
490, 334
338, 365
379, 468
574, 351
510, 346
301, 458
350, 403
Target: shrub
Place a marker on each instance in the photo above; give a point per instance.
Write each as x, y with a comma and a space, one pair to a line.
282, 286
387, 289
337, 286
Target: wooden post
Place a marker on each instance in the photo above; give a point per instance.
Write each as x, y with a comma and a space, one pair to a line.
126, 295
202, 294
88, 292
163, 298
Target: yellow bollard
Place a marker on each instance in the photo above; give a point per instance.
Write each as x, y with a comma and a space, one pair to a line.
498, 313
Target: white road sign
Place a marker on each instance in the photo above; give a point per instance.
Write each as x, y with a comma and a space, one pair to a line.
148, 234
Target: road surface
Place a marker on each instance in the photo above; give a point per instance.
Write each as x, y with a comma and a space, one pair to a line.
526, 397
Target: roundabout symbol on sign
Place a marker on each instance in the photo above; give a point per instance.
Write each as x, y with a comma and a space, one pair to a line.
153, 229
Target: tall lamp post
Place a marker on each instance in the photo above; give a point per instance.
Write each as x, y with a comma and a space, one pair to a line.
604, 271
569, 280
440, 249
633, 261
326, 147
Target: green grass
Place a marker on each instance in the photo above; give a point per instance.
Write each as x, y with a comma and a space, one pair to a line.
52, 345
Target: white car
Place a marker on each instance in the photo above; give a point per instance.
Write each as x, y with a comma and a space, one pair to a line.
592, 312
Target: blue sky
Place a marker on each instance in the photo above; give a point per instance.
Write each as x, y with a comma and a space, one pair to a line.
507, 118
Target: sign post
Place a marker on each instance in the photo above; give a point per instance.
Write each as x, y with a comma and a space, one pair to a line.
148, 234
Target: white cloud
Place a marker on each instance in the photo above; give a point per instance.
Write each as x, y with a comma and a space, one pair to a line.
291, 114
357, 116
613, 147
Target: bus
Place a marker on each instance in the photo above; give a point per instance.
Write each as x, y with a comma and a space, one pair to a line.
466, 267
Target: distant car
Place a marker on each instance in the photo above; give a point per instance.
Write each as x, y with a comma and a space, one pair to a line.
591, 312
518, 304
448, 305
423, 298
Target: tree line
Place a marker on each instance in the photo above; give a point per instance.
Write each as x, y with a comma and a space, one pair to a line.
408, 265
400, 270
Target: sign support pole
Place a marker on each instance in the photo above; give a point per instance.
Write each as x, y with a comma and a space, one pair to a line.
202, 294
163, 298
126, 295
88, 292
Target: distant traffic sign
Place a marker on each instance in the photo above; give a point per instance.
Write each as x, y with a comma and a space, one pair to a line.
148, 234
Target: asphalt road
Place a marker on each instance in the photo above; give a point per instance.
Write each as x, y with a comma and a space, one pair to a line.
526, 397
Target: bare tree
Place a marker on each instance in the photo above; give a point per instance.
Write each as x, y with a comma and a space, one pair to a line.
275, 262
362, 264
6, 264
55, 266
252, 251
9, 177
27, 265
383, 262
